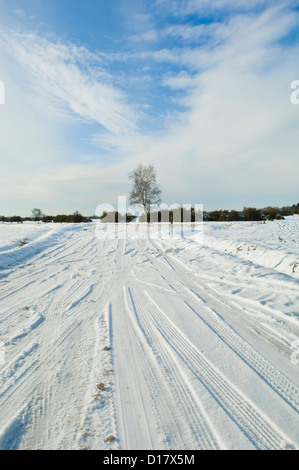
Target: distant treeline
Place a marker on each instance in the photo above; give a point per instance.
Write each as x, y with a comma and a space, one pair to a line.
247, 214
178, 215
252, 214
75, 218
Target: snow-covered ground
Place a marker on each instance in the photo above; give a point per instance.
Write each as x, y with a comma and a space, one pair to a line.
161, 343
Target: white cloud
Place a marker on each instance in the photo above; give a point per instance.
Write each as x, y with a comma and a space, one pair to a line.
64, 72
233, 144
181, 81
195, 33
238, 135
19, 12
184, 8
70, 187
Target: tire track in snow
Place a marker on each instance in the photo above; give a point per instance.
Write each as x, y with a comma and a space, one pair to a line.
35, 373
271, 375
188, 413
252, 422
286, 389
58, 347
133, 427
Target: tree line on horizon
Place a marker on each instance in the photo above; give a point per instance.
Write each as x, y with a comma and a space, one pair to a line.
247, 214
145, 192
252, 214
38, 216
177, 215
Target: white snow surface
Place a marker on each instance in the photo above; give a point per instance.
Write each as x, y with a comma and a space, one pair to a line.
164, 344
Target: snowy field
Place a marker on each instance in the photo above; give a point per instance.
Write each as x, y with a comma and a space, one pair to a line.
149, 343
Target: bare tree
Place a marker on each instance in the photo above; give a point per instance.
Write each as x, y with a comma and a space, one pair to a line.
37, 214
145, 189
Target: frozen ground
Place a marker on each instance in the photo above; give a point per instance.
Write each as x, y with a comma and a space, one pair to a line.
196, 345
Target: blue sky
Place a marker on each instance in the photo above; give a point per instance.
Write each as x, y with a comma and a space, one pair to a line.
199, 88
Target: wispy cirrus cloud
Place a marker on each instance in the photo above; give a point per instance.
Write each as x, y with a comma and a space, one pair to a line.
73, 76
205, 98
196, 33
184, 8
237, 120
